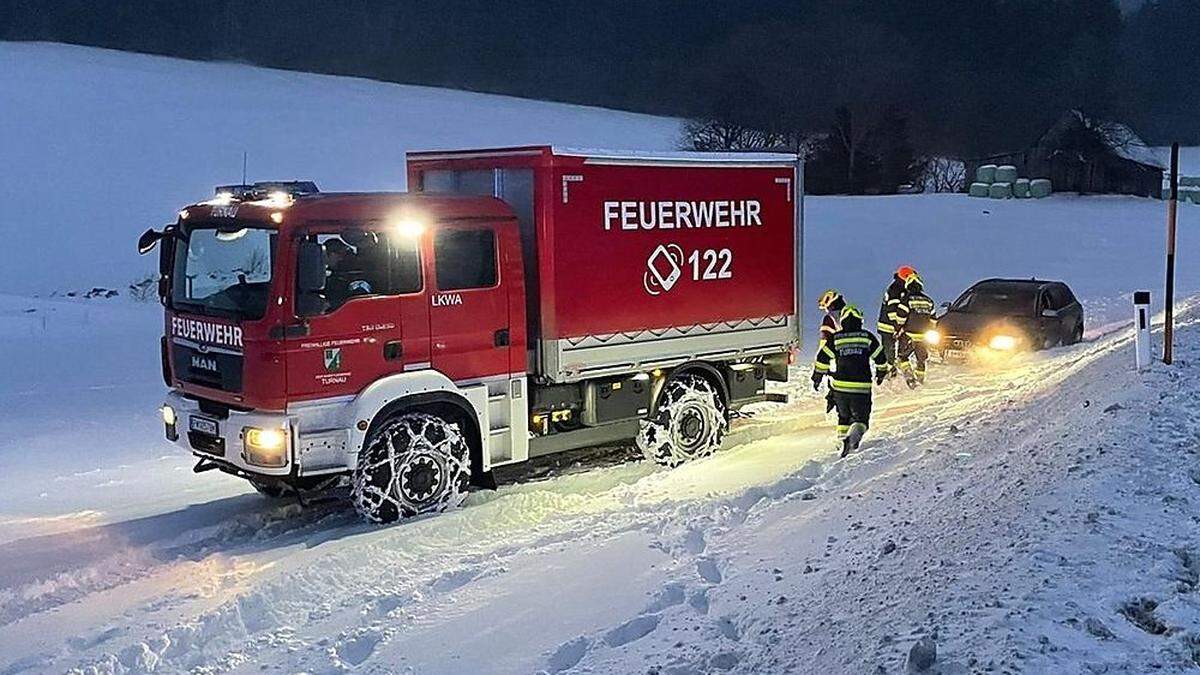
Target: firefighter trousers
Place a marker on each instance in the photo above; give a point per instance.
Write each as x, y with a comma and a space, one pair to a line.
888, 340
908, 348
852, 409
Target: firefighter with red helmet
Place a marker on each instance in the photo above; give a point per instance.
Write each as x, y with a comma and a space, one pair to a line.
914, 318
831, 303
892, 297
847, 358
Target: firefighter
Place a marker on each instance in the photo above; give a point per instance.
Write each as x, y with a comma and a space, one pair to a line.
832, 303
915, 318
850, 352
892, 297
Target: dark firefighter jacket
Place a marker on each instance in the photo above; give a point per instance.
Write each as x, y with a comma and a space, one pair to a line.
850, 352
915, 314
892, 297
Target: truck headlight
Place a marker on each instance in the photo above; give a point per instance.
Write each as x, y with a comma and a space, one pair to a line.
933, 337
265, 447
1003, 343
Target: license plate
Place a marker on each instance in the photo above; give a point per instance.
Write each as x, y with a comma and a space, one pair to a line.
954, 354
204, 425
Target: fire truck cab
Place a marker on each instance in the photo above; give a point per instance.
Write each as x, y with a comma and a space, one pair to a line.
415, 341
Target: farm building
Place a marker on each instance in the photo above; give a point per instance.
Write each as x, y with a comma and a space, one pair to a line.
1085, 155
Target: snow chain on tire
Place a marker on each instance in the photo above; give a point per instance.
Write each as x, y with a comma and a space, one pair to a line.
690, 422
414, 463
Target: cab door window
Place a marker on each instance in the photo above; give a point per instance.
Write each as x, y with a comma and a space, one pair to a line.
465, 259
362, 263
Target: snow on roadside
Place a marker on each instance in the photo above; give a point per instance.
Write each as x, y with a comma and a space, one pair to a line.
1054, 529
768, 555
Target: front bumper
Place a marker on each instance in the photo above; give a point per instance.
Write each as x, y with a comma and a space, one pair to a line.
227, 446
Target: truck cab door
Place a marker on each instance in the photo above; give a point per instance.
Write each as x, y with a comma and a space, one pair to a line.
369, 321
471, 333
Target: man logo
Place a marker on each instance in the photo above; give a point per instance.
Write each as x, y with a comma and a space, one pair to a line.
204, 363
333, 359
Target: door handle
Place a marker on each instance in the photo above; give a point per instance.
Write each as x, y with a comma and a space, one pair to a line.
294, 330
500, 338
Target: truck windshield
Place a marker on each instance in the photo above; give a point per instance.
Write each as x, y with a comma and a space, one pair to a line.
1004, 302
223, 271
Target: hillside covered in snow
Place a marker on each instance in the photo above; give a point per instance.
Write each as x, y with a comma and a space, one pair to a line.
98, 145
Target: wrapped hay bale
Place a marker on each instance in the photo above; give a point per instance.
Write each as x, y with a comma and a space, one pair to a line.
986, 174
1000, 190
978, 190
1039, 187
1021, 188
1006, 174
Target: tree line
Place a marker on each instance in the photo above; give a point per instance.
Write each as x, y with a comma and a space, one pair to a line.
959, 77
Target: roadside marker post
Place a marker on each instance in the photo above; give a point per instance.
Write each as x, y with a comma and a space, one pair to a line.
1169, 302
1141, 329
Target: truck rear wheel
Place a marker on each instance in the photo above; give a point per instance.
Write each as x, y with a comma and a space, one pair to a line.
689, 423
412, 464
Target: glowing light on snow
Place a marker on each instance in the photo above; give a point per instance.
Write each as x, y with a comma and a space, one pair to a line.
1003, 343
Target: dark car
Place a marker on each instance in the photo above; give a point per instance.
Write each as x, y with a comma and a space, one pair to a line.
1004, 315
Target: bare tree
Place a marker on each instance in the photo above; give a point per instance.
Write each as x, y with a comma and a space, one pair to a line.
718, 135
943, 174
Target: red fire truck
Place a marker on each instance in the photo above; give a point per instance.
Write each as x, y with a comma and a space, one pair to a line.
517, 302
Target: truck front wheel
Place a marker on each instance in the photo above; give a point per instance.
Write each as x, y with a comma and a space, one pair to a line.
689, 423
413, 463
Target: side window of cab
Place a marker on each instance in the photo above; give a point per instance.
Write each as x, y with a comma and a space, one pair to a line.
361, 261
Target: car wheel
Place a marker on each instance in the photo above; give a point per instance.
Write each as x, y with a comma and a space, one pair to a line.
1077, 334
414, 463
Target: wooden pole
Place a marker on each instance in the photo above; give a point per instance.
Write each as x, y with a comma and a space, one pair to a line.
1172, 205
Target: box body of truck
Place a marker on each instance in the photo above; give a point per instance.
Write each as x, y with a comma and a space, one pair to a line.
641, 261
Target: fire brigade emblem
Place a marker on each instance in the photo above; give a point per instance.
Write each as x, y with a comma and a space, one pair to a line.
663, 269
333, 359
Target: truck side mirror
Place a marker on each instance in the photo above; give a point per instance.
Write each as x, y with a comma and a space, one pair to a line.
310, 268
148, 240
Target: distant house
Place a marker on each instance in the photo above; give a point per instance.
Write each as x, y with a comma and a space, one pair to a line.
1085, 155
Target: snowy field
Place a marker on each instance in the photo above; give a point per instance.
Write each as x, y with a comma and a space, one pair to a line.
100, 145
1037, 516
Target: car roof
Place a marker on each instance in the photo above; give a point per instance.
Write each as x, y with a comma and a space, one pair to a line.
1014, 285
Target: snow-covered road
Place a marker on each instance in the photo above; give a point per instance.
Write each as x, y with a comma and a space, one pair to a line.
766, 557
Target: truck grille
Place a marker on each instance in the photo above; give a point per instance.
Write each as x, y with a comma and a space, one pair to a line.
207, 368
